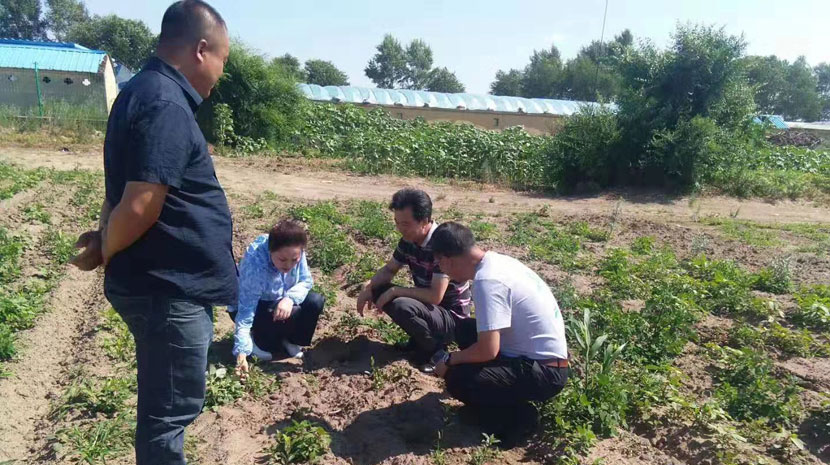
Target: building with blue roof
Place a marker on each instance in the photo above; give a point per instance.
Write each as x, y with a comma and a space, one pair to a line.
537, 115
37, 74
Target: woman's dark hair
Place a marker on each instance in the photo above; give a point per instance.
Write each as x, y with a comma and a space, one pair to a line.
287, 233
452, 239
416, 199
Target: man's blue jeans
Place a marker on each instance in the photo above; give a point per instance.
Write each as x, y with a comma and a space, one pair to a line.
172, 337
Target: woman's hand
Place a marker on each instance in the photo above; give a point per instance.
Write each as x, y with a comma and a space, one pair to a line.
242, 367
283, 310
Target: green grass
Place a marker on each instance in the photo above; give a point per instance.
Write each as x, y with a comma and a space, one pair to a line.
61, 246
364, 268
97, 442
14, 180
545, 242
224, 387
116, 339
331, 246
586, 231
747, 232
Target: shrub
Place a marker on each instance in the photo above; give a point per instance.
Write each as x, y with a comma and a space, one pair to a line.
777, 278
263, 100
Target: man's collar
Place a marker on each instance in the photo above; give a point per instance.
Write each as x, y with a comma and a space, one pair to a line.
157, 64
433, 226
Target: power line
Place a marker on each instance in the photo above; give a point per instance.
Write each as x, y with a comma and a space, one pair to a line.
601, 38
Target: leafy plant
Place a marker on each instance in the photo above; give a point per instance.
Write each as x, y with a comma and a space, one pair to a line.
486, 452
371, 219
813, 307
90, 397
749, 390
222, 387
583, 229
301, 442
483, 231
60, 245
36, 213
777, 278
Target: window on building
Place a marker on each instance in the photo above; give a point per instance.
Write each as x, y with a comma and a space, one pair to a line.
68, 81
495, 122
12, 77
47, 79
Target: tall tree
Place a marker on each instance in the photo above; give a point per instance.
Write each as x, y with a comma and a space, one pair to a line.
127, 41
418, 65
290, 65
324, 73
444, 80
63, 15
768, 76
388, 67
822, 72
20, 19
507, 83
543, 75
802, 99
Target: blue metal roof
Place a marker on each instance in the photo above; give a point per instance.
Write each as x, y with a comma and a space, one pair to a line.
421, 99
54, 56
776, 120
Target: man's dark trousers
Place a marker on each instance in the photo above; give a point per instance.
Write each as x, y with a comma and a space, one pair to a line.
172, 337
430, 327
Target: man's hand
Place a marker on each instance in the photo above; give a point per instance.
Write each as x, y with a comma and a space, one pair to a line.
440, 370
242, 367
92, 256
283, 310
387, 297
364, 299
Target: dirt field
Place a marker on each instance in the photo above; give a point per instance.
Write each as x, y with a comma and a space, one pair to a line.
394, 420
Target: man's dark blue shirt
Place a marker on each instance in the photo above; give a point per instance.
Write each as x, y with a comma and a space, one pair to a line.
152, 136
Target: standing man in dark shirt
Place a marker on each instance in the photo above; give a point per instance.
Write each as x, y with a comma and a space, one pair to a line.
165, 236
434, 312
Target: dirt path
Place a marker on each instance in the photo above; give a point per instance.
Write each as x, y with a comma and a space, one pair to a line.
297, 179
48, 351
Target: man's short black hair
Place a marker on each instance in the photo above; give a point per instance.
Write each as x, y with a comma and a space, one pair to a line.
452, 239
188, 21
416, 199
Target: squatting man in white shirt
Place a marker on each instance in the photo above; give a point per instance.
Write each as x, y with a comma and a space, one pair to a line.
520, 354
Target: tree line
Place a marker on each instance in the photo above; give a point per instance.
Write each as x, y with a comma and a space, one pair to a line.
792, 89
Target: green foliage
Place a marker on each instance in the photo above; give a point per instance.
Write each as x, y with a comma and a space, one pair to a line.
128, 41
118, 343
99, 441
89, 397
11, 249
643, 245
264, 101
483, 230
749, 390
583, 229
61, 246
330, 246
584, 149
744, 231
813, 307
364, 269
324, 73
783, 88
373, 142
224, 387
596, 399
411, 68
372, 220
14, 180
21, 19
777, 278
227, 137
486, 452
386, 330
7, 340
545, 242
301, 442
35, 213
63, 15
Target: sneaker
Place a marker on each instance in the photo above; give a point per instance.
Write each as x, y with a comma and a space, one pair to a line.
293, 350
261, 354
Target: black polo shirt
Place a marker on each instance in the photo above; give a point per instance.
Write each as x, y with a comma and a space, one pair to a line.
152, 136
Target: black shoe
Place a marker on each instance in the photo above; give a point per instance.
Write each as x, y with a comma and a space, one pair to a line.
428, 368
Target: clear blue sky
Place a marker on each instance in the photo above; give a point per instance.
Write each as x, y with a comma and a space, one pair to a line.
476, 38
